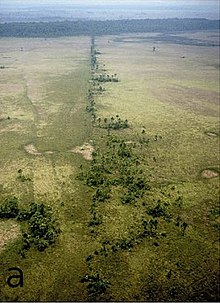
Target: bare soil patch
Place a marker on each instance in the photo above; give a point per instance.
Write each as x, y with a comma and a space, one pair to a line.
85, 150
32, 150
129, 142
211, 134
8, 232
208, 174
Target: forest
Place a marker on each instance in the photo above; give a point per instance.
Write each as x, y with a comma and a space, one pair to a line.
108, 27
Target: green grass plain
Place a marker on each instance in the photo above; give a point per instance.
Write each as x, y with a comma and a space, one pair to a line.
44, 92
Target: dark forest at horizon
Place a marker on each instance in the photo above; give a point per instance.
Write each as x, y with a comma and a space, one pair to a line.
108, 27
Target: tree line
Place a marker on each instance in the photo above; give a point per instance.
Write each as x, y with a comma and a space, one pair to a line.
117, 165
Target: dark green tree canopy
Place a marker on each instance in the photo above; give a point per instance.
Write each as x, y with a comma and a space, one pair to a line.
108, 27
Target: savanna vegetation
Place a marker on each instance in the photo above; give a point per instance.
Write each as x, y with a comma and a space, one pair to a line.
139, 221
119, 172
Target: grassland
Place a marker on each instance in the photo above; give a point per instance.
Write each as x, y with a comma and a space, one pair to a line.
171, 93
44, 90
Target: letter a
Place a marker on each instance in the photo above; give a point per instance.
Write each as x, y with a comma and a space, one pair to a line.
20, 278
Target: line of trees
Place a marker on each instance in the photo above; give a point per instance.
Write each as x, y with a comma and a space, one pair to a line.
106, 78
117, 166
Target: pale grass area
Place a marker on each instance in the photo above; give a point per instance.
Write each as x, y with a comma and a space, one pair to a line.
29, 72
9, 231
9, 174
119, 219
45, 183
27, 97
44, 90
173, 97
149, 79
9, 89
49, 182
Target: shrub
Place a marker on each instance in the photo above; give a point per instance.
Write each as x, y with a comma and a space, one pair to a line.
159, 211
102, 194
96, 220
128, 198
23, 215
96, 285
9, 209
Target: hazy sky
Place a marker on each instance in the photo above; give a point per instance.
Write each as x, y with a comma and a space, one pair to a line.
86, 2
41, 10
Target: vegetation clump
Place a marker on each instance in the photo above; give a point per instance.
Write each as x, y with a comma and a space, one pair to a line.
159, 211
106, 78
97, 285
182, 225
96, 220
41, 229
150, 227
9, 209
22, 177
113, 123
